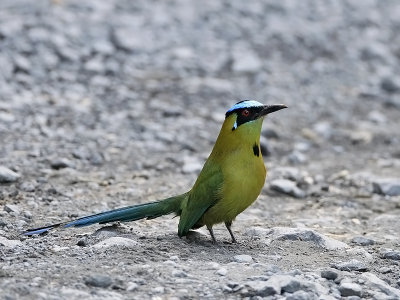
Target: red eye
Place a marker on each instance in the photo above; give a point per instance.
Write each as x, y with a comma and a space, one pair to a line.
245, 113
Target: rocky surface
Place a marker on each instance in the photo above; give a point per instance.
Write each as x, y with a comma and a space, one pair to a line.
105, 104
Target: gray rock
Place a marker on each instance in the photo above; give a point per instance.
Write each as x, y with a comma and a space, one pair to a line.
116, 242
362, 241
372, 281
390, 84
287, 187
243, 258
296, 157
132, 286
329, 274
301, 295
306, 235
22, 63
262, 288
387, 186
7, 175
350, 289
99, 280
27, 186
222, 272
179, 274
12, 208
61, 163
351, 265
9, 243
390, 254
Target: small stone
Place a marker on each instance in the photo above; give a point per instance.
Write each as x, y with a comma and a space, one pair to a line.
158, 290
387, 186
377, 117
362, 241
179, 274
391, 254
116, 241
243, 258
296, 157
361, 137
385, 270
301, 295
61, 163
349, 289
287, 187
7, 175
81, 243
262, 288
306, 235
12, 208
351, 265
390, 84
132, 286
9, 243
22, 63
222, 272
372, 281
27, 187
99, 280
329, 274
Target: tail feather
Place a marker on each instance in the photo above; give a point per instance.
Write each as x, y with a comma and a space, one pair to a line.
125, 214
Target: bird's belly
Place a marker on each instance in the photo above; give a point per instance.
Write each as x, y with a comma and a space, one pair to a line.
240, 190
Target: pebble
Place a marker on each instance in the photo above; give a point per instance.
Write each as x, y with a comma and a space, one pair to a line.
262, 288
12, 208
131, 286
351, 265
300, 295
329, 274
9, 243
362, 241
390, 254
287, 187
387, 186
116, 242
243, 258
179, 274
61, 163
306, 235
350, 289
222, 272
27, 186
7, 175
99, 280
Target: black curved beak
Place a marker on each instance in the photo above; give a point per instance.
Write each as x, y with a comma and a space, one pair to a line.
267, 109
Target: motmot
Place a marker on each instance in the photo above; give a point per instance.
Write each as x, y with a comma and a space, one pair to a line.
229, 182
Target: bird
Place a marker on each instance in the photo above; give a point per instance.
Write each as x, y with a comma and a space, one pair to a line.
230, 181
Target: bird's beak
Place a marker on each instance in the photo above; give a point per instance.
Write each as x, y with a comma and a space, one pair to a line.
267, 109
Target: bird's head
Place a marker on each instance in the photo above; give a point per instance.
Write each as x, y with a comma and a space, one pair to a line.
250, 113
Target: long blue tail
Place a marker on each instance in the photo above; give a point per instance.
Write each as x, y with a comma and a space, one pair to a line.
125, 214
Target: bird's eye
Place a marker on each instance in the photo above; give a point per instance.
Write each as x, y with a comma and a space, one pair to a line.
245, 113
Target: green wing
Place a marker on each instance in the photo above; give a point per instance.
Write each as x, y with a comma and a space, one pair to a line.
204, 194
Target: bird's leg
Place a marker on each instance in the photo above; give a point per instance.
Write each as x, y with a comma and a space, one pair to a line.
228, 226
210, 230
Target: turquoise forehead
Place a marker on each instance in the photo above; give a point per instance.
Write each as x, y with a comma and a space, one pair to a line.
245, 104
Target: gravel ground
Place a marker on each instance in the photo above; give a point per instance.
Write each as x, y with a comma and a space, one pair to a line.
105, 104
